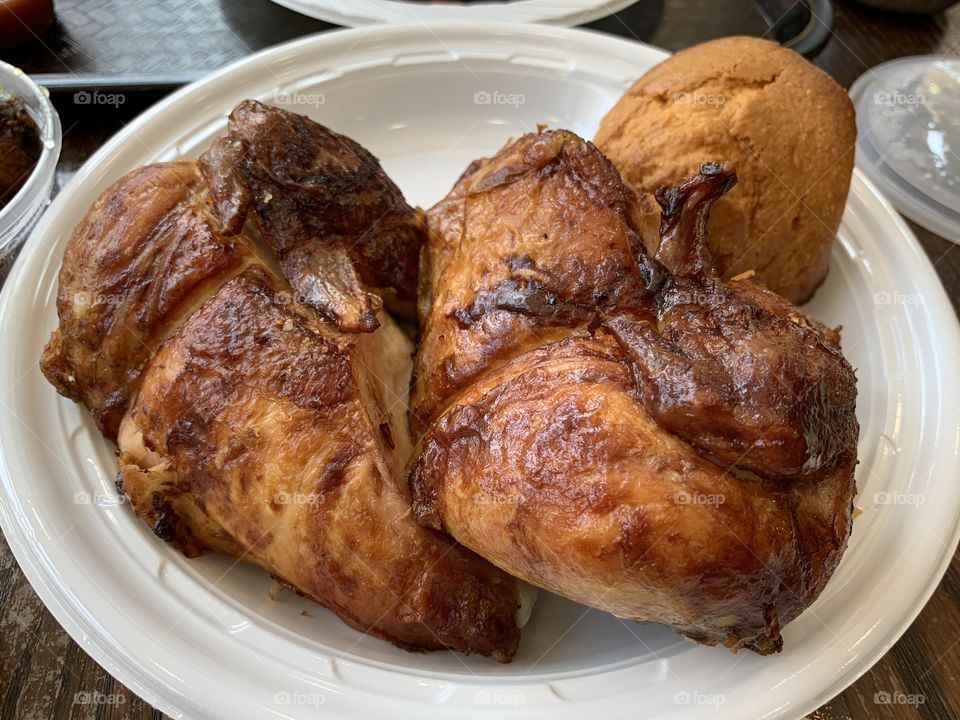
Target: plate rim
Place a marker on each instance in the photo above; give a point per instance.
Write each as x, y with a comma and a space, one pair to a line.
109, 655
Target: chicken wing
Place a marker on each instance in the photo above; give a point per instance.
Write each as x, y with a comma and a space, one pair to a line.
629, 432
307, 182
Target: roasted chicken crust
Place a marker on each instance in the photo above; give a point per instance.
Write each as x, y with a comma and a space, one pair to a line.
541, 215
626, 431
734, 369
143, 257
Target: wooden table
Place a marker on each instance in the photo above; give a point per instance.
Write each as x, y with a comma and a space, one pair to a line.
42, 669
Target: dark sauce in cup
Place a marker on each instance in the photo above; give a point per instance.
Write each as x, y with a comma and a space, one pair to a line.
20, 147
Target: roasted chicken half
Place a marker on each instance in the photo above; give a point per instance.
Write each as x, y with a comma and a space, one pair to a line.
628, 431
258, 413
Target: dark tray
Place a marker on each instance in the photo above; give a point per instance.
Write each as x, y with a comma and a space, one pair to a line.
157, 44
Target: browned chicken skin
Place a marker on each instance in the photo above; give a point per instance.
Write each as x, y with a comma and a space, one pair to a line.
248, 424
307, 182
145, 256
270, 438
734, 369
629, 432
536, 219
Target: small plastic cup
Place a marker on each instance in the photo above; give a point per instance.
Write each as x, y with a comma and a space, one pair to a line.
19, 215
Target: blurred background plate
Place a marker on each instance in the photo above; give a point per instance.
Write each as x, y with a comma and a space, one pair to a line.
353, 13
201, 639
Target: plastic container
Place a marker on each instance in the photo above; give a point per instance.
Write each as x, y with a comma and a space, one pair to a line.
908, 138
19, 216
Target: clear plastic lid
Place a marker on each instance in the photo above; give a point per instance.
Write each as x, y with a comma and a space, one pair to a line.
908, 142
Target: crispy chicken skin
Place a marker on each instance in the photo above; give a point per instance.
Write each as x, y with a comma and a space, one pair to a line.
629, 432
735, 370
252, 425
538, 214
307, 182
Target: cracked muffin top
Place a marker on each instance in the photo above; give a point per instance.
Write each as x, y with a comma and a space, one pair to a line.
786, 126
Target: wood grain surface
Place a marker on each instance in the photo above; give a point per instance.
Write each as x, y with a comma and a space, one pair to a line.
44, 674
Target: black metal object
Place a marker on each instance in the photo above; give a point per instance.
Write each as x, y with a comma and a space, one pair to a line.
801, 26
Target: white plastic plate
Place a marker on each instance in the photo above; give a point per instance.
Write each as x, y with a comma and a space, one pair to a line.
355, 13
200, 638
